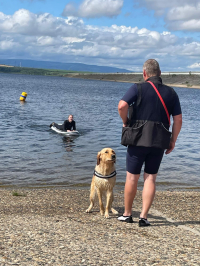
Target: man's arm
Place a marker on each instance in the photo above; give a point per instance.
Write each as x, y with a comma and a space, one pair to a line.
176, 128
123, 112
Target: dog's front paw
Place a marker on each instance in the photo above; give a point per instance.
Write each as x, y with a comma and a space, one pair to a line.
106, 215
102, 212
88, 210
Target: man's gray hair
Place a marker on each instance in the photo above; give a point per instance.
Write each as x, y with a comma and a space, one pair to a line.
152, 68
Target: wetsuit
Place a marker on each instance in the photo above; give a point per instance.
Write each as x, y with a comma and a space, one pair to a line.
66, 125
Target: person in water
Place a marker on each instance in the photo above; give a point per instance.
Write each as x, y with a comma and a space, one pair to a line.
68, 125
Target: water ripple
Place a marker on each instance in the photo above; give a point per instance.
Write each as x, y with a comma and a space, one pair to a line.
33, 154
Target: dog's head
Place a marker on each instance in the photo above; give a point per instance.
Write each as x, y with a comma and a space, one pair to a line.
106, 155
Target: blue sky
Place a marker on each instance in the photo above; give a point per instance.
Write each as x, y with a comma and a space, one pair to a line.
120, 33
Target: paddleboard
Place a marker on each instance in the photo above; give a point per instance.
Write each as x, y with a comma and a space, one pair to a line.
65, 133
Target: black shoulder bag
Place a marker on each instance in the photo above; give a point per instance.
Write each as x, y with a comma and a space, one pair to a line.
145, 133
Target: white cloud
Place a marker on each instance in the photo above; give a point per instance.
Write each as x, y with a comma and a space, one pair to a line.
94, 8
195, 65
181, 15
7, 45
184, 13
27, 35
160, 6
186, 18
192, 25
25, 22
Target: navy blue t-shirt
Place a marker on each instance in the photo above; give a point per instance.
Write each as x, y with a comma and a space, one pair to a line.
132, 94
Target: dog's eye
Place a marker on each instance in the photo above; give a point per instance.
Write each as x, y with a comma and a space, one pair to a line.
106, 151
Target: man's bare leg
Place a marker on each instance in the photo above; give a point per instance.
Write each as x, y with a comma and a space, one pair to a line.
130, 192
148, 193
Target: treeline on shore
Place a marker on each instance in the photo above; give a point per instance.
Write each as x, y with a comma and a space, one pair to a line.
35, 71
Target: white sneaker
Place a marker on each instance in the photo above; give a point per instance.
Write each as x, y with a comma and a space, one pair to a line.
127, 219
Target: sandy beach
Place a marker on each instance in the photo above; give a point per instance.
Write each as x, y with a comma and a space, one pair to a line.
49, 226
173, 80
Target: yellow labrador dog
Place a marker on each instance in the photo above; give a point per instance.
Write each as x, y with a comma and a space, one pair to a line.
103, 180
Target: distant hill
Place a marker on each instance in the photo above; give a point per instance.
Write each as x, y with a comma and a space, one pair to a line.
62, 66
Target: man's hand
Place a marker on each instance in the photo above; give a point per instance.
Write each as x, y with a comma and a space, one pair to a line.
123, 112
127, 122
175, 131
171, 147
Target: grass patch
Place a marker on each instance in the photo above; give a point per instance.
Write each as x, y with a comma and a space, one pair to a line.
17, 194
188, 84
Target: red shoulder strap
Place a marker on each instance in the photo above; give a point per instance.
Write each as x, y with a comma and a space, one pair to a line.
163, 103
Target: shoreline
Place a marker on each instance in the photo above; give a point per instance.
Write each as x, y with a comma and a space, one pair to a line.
172, 80
51, 227
160, 186
182, 80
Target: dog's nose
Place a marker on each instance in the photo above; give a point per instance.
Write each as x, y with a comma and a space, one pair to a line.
113, 156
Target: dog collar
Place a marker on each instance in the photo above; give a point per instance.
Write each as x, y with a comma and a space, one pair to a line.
105, 176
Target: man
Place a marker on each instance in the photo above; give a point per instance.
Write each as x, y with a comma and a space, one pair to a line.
151, 110
68, 125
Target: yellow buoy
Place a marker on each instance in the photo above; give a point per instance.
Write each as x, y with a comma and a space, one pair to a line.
23, 96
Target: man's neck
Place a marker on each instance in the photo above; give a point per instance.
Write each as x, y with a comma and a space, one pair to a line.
147, 77
154, 79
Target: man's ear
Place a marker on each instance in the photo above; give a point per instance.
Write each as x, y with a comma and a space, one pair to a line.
98, 158
144, 74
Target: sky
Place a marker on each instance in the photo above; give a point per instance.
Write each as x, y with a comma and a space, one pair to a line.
117, 33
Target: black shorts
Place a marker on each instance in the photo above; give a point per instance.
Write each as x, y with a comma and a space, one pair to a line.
137, 155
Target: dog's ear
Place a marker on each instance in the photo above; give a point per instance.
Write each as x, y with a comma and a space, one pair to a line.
98, 158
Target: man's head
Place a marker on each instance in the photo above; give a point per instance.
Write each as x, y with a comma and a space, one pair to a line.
151, 68
70, 118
